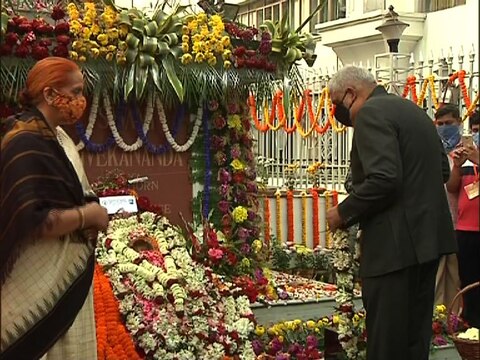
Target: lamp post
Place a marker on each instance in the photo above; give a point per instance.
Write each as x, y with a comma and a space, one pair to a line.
392, 29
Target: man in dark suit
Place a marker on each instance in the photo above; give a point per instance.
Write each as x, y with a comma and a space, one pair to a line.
398, 170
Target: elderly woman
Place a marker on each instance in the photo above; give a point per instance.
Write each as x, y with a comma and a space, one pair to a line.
46, 224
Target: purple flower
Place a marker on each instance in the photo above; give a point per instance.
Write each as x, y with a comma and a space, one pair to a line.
235, 152
439, 340
312, 341
233, 108
224, 176
243, 233
282, 294
251, 215
252, 187
295, 349
218, 142
276, 345
282, 356
249, 155
245, 248
223, 206
257, 347
213, 105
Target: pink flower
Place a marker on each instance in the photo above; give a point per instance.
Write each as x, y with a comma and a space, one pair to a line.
215, 254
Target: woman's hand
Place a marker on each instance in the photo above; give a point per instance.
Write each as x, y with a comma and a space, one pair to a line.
96, 217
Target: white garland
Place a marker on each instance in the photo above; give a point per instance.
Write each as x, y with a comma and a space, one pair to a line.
166, 130
344, 262
92, 119
113, 128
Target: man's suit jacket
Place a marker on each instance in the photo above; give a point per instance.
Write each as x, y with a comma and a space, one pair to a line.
398, 172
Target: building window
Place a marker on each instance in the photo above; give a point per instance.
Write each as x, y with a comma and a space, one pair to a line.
332, 10
255, 13
435, 5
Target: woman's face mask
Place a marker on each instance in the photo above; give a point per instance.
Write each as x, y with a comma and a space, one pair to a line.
70, 108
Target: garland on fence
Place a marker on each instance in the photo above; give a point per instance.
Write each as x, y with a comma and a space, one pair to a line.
328, 205
304, 218
278, 209
266, 220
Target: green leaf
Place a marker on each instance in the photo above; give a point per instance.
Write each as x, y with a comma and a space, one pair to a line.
270, 27
176, 51
168, 65
4, 22
286, 94
151, 28
130, 83
141, 76
138, 25
155, 72
163, 48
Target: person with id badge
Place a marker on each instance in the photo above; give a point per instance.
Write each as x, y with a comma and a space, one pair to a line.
464, 181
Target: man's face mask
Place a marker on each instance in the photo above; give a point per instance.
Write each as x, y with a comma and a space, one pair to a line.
342, 113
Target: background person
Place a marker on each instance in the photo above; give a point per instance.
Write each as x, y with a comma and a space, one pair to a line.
46, 259
399, 168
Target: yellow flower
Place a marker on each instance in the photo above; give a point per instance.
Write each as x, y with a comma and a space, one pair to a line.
86, 33
112, 33
192, 25
212, 61
185, 47
239, 214
226, 41
109, 56
335, 319
280, 338
198, 46
75, 26
440, 308
103, 50
199, 58
227, 64
257, 245
121, 60
93, 44
77, 45
95, 29
201, 17
185, 38
82, 58
73, 55
259, 330
237, 165
311, 324
245, 263
186, 59
111, 48
102, 39
185, 30
94, 52
234, 122
123, 31
122, 45
216, 19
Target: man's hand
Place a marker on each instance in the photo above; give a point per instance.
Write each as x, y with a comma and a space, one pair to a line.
472, 154
333, 219
459, 156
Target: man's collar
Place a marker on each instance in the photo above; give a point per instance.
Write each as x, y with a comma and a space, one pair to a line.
378, 90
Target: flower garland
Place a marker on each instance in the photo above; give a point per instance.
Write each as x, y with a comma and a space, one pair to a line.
472, 107
304, 218
410, 87
278, 214
460, 75
344, 264
168, 300
316, 226
266, 220
290, 220
166, 130
111, 123
113, 340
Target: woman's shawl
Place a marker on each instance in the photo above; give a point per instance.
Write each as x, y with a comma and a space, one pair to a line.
36, 177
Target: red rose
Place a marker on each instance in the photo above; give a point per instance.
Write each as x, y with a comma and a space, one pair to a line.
57, 13
437, 328
19, 20
22, 51
44, 29
45, 42
37, 22
62, 28
60, 50
11, 38
238, 177
240, 51
250, 53
232, 258
39, 52
24, 28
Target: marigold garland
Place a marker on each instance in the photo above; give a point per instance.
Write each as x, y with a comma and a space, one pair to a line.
266, 219
304, 218
316, 227
410, 87
471, 108
278, 216
113, 340
290, 219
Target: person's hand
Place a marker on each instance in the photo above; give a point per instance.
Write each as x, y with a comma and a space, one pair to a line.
90, 235
472, 153
459, 156
96, 216
333, 219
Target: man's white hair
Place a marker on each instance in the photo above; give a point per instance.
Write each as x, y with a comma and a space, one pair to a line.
350, 76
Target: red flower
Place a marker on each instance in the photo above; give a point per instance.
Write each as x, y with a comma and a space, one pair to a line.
57, 13
12, 38
44, 29
39, 52
60, 50
63, 39
143, 202
45, 42
232, 258
437, 328
238, 177
240, 51
22, 51
62, 28
19, 20
25, 27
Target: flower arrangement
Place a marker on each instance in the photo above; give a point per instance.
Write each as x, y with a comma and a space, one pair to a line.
168, 300
204, 39
36, 38
96, 35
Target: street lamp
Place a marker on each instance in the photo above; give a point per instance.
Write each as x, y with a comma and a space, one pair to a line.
392, 29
